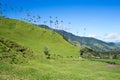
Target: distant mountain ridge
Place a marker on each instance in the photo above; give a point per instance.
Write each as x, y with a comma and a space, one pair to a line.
93, 43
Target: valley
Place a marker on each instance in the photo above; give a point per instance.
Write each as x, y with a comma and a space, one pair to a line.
28, 42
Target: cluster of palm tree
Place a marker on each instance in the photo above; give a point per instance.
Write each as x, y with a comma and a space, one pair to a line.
26, 15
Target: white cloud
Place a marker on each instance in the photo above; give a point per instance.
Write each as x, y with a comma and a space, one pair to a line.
112, 37
92, 35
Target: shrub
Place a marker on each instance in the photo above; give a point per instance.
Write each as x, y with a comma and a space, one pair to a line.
13, 52
46, 52
86, 52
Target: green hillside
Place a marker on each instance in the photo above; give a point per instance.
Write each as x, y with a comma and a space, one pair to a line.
22, 47
35, 38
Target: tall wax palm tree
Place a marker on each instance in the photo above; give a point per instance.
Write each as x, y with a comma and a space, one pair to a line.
61, 24
51, 24
51, 21
0, 9
84, 32
1, 13
56, 23
39, 19
5, 9
29, 18
21, 11
69, 25
44, 22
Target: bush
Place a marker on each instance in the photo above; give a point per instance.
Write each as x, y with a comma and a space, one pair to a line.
46, 52
13, 52
86, 52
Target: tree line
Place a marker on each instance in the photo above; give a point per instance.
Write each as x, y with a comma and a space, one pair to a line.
86, 52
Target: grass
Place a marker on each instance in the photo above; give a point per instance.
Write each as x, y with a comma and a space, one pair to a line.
36, 38
111, 61
67, 67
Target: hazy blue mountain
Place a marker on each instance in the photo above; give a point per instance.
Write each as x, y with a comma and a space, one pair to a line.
93, 43
112, 43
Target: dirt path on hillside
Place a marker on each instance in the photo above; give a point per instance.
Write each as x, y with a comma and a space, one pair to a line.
112, 65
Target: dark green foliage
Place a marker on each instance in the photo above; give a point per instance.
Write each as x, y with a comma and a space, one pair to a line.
56, 56
46, 52
13, 52
107, 55
86, 52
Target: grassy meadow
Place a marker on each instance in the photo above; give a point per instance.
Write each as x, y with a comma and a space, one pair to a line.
64, 64
66, 69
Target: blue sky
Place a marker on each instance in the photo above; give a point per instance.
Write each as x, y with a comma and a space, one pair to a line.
90, 18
